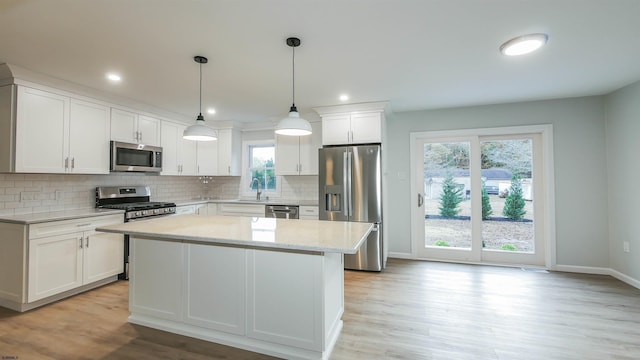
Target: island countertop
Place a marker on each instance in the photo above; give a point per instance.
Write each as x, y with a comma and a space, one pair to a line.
285, 234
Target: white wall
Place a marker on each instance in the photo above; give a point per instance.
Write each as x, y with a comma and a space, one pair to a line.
623, 148
580, 169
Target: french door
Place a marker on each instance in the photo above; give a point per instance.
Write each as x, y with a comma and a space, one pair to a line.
479, 196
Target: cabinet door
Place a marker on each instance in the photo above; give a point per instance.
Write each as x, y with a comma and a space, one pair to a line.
42, 131
103, 256
187, 154
152, 260
287, 154
185, 209
207, 154
201, 209
124, 126
309, 146
88, 138
55, 265
148, 130
169, 141
366, 128
336, 129
229, 152
215, 287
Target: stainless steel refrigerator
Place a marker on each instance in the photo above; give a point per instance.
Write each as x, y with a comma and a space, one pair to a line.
350, 179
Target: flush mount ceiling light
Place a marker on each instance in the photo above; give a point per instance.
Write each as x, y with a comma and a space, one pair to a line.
523, 44
293, 125
113, 77
199, 131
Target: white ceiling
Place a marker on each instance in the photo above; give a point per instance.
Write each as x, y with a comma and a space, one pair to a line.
420, 54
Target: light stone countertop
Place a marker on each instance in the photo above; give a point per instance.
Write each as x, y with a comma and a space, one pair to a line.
300, 235
36, 218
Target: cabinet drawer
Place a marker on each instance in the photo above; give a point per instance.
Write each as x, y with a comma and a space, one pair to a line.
73, 225
309, 211
241, 209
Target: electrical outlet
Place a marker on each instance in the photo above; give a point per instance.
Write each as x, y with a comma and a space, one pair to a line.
625, 246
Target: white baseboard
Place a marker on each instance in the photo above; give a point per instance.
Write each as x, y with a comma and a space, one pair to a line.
583, 269
401, 256
625, 278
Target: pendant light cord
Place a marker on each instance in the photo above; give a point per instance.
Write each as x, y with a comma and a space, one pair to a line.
293, 66
200, 89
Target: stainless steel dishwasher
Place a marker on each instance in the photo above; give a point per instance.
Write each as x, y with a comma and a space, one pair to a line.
281, 211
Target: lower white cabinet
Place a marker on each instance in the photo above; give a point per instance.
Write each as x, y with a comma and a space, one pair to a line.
283, 303
235, 209
309, 213
51, 260
185, 209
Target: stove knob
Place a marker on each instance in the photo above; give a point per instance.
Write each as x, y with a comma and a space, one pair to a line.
138, 213
156, 211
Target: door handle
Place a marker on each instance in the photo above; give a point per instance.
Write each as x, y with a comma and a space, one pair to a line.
420, 200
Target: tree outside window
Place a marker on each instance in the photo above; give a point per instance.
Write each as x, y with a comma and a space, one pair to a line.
262, 166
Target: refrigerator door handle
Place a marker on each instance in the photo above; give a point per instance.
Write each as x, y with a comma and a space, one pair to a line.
345, 183
350, 184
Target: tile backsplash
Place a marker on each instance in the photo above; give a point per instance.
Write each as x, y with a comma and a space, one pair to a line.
33, 193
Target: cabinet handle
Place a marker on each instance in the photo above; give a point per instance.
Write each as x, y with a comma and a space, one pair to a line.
348, 135
73, 163
81, 240
87, 242
66, 163
140, 136
135, 135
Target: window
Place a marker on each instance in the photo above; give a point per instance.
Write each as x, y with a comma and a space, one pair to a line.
259, 159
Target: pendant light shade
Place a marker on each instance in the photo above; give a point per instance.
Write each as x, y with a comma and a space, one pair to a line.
199, 131
293, 125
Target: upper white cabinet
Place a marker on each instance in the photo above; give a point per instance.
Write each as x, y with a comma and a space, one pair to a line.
207, 157
178, 155
298, 155
352, 124
59, 134
229, 152
130, 127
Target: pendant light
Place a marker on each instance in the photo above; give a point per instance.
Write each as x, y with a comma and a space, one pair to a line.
199, 131
293, 125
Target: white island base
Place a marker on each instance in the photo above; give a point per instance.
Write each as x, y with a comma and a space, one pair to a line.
279, 302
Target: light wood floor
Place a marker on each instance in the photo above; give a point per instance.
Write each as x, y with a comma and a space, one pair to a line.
413, 310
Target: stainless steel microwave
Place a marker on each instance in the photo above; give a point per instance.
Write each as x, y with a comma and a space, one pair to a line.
135, 157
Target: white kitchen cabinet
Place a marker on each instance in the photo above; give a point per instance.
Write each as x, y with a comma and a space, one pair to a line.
309, 212
47, 261
352, 123
89, 138
127, 126
352, 128
201, 209
59, 134
207, 158
235, 209
55, 265
214, 295
212, 209
185, 209
178, 155
229, 152
298, 155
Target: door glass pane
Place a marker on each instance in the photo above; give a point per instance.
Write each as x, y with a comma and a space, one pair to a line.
507, 195
447, 192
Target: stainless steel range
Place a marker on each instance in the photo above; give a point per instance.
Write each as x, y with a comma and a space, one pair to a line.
135, 201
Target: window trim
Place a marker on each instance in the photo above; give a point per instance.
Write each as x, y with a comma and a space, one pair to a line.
245, 181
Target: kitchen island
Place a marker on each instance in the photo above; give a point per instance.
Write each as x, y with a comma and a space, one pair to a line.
273, 286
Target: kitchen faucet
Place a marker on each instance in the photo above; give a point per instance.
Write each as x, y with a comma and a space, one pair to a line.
258, 192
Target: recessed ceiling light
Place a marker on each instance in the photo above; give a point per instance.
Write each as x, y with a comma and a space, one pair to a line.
113, 77
211, 111
523, 44
344, 97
